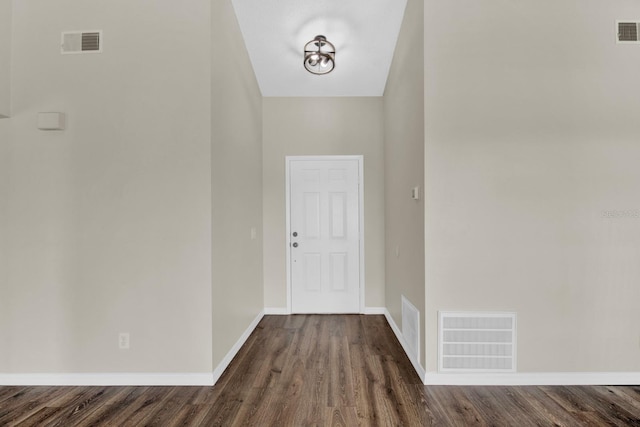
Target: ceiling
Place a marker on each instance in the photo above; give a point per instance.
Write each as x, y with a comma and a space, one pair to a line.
364, 33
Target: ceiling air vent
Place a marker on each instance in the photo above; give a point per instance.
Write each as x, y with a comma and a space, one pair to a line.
81, 42
628, 32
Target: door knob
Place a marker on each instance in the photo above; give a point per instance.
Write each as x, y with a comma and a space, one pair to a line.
295, 244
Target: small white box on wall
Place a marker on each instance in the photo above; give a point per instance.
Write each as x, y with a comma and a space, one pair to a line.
415, 193
51, 121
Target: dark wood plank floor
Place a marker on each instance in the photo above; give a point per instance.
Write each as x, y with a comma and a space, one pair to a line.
326, 371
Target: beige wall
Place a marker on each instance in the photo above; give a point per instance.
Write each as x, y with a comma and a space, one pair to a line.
108, 223
236, 183
4, 187
404, 168
5, 56
321, 126
531, 133
5, 52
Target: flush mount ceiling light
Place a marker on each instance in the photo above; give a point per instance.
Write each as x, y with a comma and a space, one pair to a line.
319, 56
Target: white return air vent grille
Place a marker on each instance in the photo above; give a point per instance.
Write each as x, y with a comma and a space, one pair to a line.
477, 342
81, 42
411, 327
628, 32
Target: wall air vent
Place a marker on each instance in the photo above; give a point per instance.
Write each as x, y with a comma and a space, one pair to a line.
81, 42
628, 32
411, 327
477, 342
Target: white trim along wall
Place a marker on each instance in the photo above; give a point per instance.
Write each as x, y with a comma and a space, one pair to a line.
108, 379
515, 378
428, 378
133, 379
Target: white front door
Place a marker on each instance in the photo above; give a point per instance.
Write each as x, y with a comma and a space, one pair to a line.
324, 238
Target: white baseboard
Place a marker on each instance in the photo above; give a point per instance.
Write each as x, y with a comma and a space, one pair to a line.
534, 378
374, 310
516, 378
217, 372
110, 379
132, 379
276, 311
430, 378
416, 363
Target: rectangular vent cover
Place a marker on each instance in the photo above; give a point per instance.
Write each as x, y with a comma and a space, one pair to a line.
411, 327
81, 42
477, 342
628, 32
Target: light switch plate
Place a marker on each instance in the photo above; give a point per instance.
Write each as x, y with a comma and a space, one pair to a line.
415, 193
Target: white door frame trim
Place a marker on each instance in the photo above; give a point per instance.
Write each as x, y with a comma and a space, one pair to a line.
288, 160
